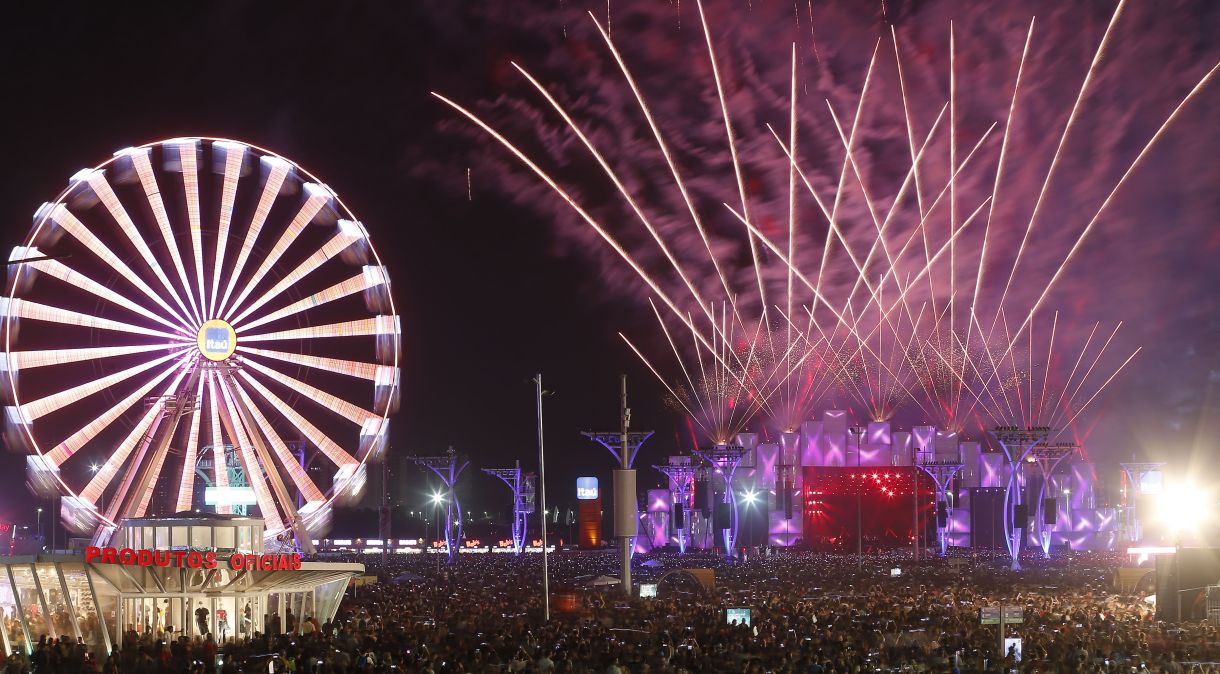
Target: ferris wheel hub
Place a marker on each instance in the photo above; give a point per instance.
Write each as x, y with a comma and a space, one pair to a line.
217, 340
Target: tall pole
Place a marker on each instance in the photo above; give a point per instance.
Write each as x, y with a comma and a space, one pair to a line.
624, 544
546, 578
914, 504
858, 431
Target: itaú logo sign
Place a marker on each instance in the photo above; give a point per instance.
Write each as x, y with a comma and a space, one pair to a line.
191, 559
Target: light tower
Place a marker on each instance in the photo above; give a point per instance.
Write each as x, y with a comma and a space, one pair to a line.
448, 468
941, 472
681, 486
522, 487
725, 459
623, 446
1016, 442
1048, 457
1135, 472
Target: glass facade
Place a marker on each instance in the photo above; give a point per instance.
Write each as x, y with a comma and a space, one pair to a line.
102, 603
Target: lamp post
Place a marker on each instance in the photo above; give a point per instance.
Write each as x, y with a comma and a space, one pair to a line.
39, 529
858, 431
546, 576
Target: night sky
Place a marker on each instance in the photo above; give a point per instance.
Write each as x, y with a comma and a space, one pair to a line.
508, 283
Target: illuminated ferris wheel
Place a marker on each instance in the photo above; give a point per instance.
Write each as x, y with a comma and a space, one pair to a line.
190, 311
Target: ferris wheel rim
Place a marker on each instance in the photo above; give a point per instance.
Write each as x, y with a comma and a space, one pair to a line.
177, 357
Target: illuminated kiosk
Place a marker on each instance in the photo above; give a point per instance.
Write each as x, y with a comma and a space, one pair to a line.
167, 577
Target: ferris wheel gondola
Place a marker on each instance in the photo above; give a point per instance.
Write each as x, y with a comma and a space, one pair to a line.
185, 297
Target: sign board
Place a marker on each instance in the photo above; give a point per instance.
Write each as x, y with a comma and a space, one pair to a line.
895, 572
191, 559
991, 615
648, 590
229, 496
586, 488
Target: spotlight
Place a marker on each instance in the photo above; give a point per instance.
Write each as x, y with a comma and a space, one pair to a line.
1185, 508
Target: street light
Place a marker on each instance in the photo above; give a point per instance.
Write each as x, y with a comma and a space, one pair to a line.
39, 529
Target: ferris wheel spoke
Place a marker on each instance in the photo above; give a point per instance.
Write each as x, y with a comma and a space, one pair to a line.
152, 192
294, 469
28, 360
101, 187
245, 451
330, 448
318, 197
235, 153
41, 312
43, 406
64, 218
369, 277
351, 368
220, 464
277, 171
186, 481
61, 271
68, 448
348, 234
351, 412
188, 163
380, 326
107, 472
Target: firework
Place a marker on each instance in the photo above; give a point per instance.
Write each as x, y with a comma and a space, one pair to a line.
871, 299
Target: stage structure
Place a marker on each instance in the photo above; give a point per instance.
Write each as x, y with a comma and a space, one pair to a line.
524, 489
189, 294
1138, 483
1017, 443
724, 460
1048, 457
681, 476
942, 472
449, 469
836, 478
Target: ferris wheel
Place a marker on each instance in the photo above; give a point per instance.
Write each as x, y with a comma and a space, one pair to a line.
198, 302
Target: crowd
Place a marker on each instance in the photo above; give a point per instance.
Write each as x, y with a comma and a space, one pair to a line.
812, 613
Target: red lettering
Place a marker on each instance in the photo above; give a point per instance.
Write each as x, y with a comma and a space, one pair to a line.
194, 560
127, 556
252, 562
294, 562
144, 557
264, 563
108, 555
92, 552
161, 557
237, 562
209, 560
178, 555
